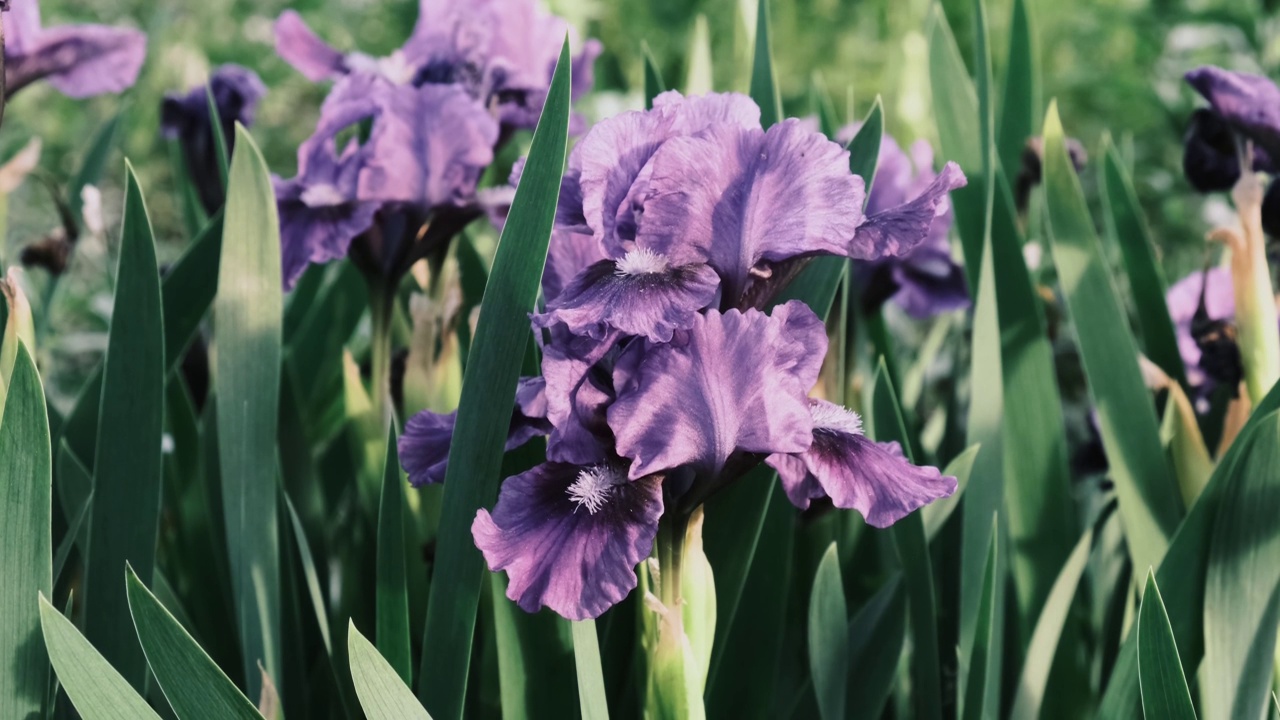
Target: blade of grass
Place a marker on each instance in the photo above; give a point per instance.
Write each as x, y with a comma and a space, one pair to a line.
913, 551
938, 512
877, 635
1241, 582
484, 412
978, 700
127, 466
247, 313
1183, 574
219, 140
188, 289
764, 82
829, 637
653, 85
393, 593
586, 654
193, 684
96, 690
1128, 225
1164, 688
1150, 507
382, 693
1021, 100
26, 479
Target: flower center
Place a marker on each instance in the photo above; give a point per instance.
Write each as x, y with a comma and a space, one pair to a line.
829, 416
594, 486
323, 195
641, 261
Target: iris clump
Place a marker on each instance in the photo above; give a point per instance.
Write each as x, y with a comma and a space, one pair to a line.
669, 373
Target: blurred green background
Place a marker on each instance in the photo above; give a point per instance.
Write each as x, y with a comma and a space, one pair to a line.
1115, 67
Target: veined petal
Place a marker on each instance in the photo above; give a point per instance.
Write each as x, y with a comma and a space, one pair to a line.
899, 230
576, 401
569, 536
298, 44
568, 254
736, 197
428, 146
856, 473
733, 383
638, 294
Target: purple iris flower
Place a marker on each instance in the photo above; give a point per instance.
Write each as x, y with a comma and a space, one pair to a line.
405, 191
236, 92
502, 51
78, 60
926, 281
1203, 307
664, 379
1243, 108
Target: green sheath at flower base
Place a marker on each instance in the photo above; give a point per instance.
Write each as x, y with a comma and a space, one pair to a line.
1255, 300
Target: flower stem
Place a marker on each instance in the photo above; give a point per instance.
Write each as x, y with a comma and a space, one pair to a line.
1255, 301
670, 696
381, 309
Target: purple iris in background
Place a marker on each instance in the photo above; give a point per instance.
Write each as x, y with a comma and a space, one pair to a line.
236, 92
926, 281
78, 60
435, 112
667, 371
502, 52
1241, 124
1203, 308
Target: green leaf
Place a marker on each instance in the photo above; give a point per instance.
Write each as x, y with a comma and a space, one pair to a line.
188, 290
1149, 503
219, 140
393, 593
194, 685
1043, 647
938, 512
699, 80
1021, 100
96, 690
127, 466
484, 412
26, 477
829, 637
247, 327
913, 551
864, 148
314, 594
1128, 226
92, 166
1164, 688
1183, 573
764, 82
586, 655
653, 85
1243, 576
979, 701
382, 693
876, 638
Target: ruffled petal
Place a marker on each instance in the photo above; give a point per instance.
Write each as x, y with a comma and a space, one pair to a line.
640, 294
1249, 103
570, 537
317, 234
693, 114
424, 446
78, 60
576, 400
899, 230
428, 146
733, 383
298, 44
738, 197
856, 473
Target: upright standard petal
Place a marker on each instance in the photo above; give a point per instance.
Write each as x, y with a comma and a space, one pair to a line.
900, 230
570, 536
428, 146
737, 198
856, 473
298, 44
78, 60
641, 293
1248, 103
733, 383
1213, 286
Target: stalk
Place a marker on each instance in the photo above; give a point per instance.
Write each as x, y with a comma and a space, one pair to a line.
1256, 320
